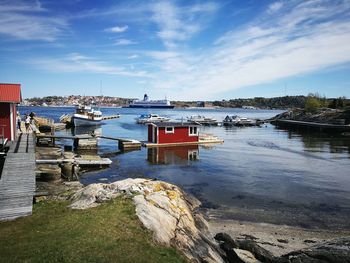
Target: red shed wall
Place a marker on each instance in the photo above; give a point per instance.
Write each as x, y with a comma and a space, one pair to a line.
5, 120
14, 123
150, 127
180, 135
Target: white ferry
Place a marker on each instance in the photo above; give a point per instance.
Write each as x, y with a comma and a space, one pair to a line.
86, 116
146, 103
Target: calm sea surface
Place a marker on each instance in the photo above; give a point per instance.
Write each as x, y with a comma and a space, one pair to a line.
258, 174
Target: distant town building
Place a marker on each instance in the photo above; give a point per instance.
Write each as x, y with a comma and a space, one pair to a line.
200, 104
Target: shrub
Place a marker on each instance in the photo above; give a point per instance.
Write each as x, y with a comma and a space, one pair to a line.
312, 104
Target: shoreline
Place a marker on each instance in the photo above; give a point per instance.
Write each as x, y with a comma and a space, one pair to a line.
278, 240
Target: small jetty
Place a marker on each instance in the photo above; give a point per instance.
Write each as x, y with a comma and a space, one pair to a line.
86, 141
17, 182
124, 144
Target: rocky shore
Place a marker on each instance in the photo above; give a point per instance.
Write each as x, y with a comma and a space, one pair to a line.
162, 208
175, 220
324, 115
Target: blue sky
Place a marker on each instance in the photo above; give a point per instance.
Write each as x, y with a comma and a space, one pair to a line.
184, 50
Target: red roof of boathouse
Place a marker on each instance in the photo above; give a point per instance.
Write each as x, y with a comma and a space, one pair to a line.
10, 93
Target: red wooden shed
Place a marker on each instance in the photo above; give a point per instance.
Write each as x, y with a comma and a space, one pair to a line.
10, 96
173, 133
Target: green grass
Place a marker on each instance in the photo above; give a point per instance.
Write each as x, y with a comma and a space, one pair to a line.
110, 232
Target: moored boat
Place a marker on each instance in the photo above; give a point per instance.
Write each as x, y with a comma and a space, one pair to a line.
86, 116
148, 118
239, 121
199, 119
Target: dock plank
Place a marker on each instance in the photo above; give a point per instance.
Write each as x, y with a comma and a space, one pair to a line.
17, 183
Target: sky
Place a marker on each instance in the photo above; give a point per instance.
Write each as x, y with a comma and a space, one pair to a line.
181, 50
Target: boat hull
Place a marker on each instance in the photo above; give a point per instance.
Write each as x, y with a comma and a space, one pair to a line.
85, 122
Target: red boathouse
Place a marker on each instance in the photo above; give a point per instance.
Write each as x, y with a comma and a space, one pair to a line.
172, 133
10, 96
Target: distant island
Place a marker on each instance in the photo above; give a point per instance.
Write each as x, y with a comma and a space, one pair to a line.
285, 102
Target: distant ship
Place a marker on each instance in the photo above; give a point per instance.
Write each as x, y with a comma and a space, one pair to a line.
145, 103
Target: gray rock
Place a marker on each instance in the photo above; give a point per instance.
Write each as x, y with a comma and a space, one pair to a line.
228, 244
334, 251
163, 208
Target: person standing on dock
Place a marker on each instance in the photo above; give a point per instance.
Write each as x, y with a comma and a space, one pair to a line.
18, 119
27, 122
32, 121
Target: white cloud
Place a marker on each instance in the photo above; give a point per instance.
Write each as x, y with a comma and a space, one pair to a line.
124, 42
76, 62
274, 7
175, 23
117, 29
29, 21
22, 6
180, 23
306, 37
134, 56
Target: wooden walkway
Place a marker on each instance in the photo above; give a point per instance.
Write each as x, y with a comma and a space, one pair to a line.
17, 183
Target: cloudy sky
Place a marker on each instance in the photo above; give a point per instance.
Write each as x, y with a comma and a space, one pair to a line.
184, 50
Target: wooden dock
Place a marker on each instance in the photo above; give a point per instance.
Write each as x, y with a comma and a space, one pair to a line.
124, 144
17, 183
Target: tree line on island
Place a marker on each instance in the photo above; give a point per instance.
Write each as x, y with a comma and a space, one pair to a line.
310, 103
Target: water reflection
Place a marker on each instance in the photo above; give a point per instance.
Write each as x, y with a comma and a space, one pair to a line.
173, 155
318, 141
259, 174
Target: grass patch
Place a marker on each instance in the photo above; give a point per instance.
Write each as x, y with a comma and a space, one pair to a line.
110, 232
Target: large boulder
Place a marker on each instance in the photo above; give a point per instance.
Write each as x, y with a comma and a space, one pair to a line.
163, 208
333, 251
247, 250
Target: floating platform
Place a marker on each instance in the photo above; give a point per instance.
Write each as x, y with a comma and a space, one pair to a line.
124, 144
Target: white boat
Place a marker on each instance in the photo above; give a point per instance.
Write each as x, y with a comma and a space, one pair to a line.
86, 116
146, 103
148, 118
239, 121
202, 120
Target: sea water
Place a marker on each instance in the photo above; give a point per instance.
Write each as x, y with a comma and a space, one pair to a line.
261, 174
